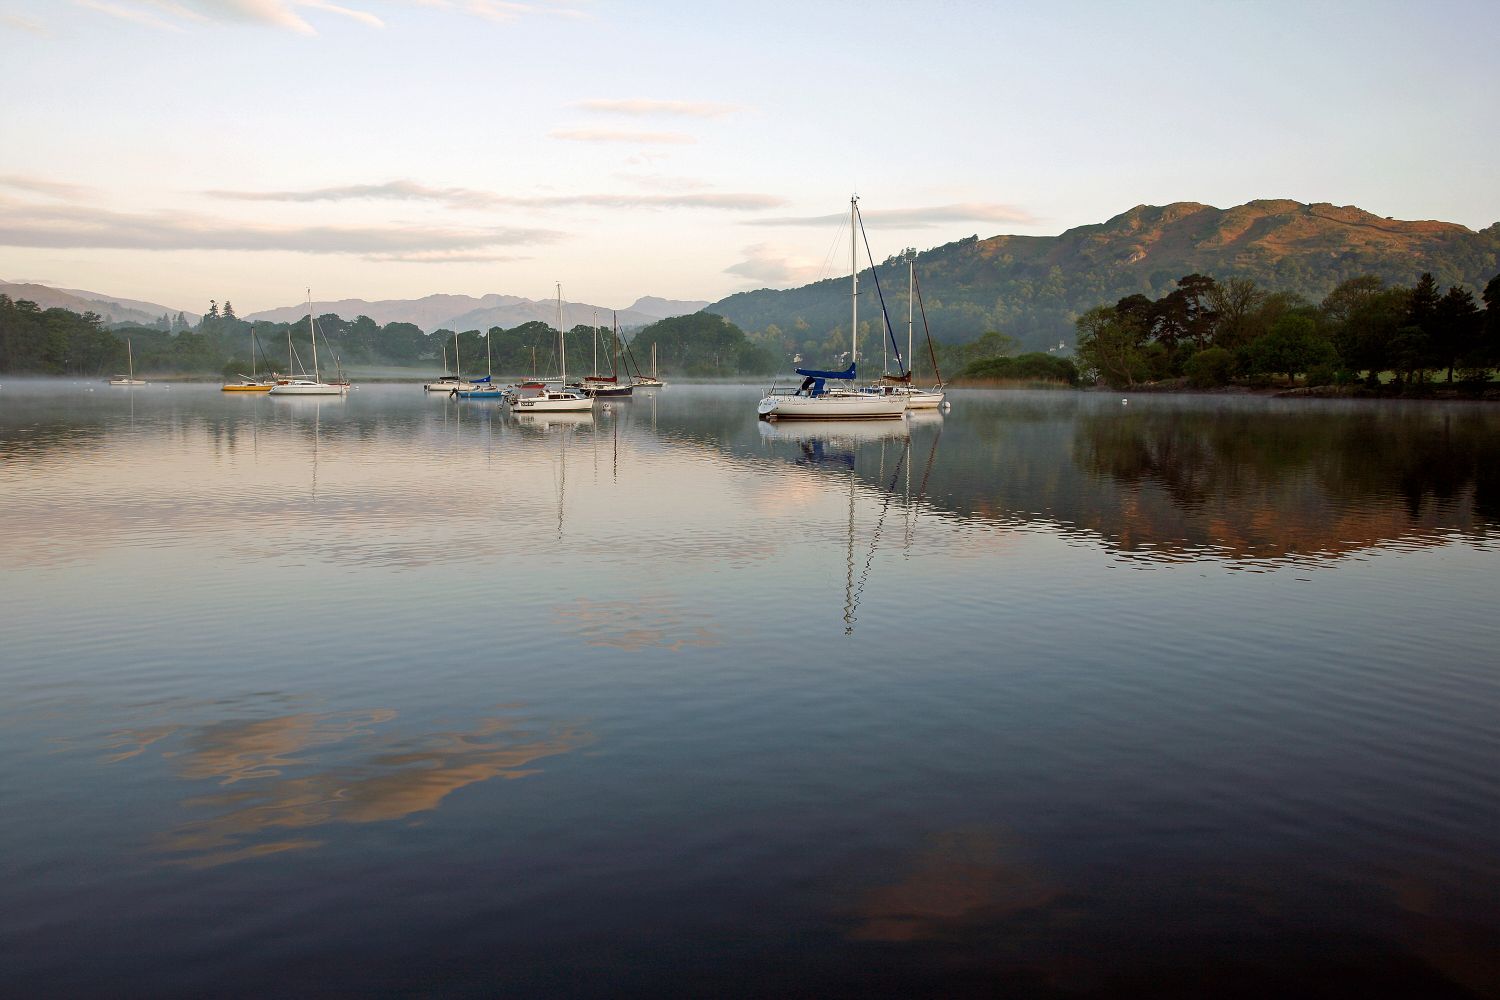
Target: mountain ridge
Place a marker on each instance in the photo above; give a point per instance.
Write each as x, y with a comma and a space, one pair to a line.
1033, 287
112, 308
466, 312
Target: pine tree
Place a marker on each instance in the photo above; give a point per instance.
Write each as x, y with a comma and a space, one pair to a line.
228, 312
213, 310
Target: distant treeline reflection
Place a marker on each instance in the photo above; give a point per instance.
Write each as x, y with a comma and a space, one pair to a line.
1258, 484
1177, 477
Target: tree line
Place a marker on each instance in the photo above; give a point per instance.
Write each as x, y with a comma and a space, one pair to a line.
57, 341
1209, 333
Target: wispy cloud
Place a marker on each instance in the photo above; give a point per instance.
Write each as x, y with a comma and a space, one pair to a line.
178, 15
469, 198
138, 13
501, 10
767, 265
42, 186
642, 106
443, 257
389, 191
363, 17
24, 24
913, 218
78, 227
620, 135
287, 15
662, 182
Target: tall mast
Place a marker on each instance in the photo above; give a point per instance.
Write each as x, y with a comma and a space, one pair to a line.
911, 285
458, 366
312, 332
562, 342
853, 282
596, 342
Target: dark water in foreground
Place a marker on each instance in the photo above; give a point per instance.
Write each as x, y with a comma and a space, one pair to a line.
1047, 697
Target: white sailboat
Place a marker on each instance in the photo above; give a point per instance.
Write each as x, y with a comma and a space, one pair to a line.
901, 385
550, 400
813, 400
652, 381
450, 383
314, 386
129, 379
481, 388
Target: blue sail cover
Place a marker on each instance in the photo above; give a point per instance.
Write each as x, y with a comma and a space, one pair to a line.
480, 381
847, 373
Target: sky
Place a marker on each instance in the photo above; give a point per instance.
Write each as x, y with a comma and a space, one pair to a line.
179, 151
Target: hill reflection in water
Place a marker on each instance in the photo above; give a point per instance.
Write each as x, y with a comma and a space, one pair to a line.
1045, 696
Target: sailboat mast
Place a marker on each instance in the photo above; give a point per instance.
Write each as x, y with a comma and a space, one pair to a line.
562, 342
312, 332
911, 285
596, 342
853, 283
129, 360
458, 365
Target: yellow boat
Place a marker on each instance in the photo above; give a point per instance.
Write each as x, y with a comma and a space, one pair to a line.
249, 383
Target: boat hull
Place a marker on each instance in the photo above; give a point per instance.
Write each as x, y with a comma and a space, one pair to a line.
307, 389
552, 401
853, 406
246, 388
923, 400
606, 390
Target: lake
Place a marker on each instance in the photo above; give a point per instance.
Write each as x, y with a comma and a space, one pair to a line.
1053, 694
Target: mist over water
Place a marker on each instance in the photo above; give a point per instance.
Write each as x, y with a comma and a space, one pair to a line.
1050, 695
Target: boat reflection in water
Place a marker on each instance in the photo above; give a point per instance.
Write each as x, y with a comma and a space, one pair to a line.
545, 421
884, 452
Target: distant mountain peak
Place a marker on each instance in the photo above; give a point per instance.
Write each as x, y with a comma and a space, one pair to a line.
442, 311
1034, 287
112, 308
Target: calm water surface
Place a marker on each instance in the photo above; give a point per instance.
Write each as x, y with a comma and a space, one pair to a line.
1047, 696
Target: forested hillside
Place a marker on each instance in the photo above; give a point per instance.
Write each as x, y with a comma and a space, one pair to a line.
56, 341
1034, 288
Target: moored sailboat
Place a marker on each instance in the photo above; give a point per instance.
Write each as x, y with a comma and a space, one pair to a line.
315, 386
607, 385
652, 381
482, 388
130, 378
251, 382
900, 385
448, 383
548, 400
813, 400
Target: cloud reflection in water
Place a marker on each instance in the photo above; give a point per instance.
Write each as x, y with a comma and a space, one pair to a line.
283, 785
